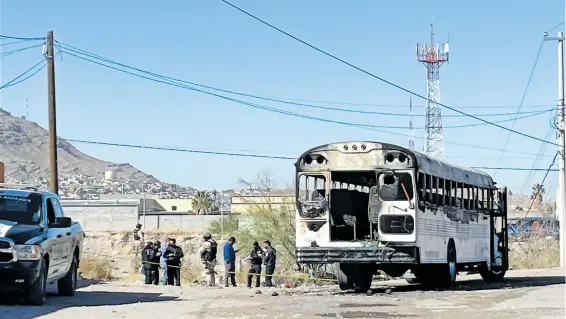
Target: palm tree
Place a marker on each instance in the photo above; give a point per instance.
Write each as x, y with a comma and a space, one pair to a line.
202, 202
538, 193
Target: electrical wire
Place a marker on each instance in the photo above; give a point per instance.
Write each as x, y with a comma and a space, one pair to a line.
259, 106
266, 98
21, 38
281, 111
8, 53
521, 103
187, 150
555, 27
382, 79
541, 185
12, 42
15, 81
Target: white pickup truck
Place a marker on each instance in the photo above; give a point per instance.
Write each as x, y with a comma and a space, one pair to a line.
38, 244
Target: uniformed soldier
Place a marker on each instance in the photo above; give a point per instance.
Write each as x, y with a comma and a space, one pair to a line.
139, 241
208, 256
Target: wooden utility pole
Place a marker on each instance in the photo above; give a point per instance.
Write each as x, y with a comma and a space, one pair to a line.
53, 173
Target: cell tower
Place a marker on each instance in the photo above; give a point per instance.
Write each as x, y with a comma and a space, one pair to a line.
433, 57
411, 129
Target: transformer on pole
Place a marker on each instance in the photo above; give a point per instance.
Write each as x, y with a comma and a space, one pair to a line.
433, 57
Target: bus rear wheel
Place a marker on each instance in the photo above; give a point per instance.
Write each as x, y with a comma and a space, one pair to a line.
344, 276
493, 275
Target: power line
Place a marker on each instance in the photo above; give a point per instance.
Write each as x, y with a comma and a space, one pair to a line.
15, 81
168, 82
8, 53
266, 98
21, 38
12, 42
271, 109
541, 185
516, 168
555, 27
188, 150
522, 100
380, 78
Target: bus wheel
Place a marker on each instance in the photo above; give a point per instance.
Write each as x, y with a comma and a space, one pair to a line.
363, 277
492, 275
344, 277
449, 271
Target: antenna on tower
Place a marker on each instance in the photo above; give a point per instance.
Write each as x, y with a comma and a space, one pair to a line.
411, 129
432, 56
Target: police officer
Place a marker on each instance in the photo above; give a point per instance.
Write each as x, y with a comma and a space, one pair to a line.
173, 254
255, 267
148, 256
208, 256
269, 259
156, 263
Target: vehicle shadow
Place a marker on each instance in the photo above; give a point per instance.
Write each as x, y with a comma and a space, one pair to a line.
10, 308
470, 285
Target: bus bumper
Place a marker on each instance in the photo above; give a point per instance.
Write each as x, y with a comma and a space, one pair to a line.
380, 255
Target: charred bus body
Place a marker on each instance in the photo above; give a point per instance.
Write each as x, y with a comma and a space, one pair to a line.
369, 206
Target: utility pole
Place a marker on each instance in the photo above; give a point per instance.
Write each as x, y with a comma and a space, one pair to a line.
561, 141
53, 172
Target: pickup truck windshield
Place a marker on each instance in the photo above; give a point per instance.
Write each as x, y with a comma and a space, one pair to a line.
21, 209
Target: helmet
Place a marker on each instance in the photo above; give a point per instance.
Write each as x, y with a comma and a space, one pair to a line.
207, 235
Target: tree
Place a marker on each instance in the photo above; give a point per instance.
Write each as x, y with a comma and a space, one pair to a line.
266, 218
538, 193
202, 202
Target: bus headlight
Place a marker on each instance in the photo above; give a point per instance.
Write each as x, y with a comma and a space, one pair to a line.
28, 252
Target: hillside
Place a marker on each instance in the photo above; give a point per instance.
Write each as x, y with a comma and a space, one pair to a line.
24, 149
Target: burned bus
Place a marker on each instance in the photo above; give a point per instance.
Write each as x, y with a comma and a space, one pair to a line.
369, 206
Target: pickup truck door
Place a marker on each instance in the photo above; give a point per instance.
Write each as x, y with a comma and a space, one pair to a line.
55, 239
66, 239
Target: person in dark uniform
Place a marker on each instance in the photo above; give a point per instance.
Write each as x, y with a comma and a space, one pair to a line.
173, 254
269, 259
148, 256
255, 265
155, 263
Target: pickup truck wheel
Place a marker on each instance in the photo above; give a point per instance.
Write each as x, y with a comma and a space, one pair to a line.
35, 295
67, 285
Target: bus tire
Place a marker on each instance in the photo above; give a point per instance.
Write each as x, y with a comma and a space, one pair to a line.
491, 275
448, 272
345, 281
363, 278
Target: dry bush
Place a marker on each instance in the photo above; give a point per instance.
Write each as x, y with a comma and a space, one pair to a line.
96, 268
534, 252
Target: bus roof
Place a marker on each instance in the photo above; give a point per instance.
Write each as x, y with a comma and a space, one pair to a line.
425, 163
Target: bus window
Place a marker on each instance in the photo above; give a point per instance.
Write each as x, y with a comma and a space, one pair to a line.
395, 187
311, 188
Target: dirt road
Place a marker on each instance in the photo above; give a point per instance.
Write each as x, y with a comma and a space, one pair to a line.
526, 294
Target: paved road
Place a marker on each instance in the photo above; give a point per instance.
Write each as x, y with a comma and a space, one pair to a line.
526, 294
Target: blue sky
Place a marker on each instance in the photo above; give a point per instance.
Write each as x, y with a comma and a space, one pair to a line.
493, 46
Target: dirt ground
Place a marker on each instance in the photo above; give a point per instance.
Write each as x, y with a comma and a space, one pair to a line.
525, 294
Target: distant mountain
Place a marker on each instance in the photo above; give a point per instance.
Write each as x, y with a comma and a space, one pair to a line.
24, 149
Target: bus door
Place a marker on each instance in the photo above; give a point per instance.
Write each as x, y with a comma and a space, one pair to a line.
499, 255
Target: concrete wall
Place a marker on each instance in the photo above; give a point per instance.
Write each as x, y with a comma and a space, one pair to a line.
196, 223
125, 218
241, 204
104, 218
